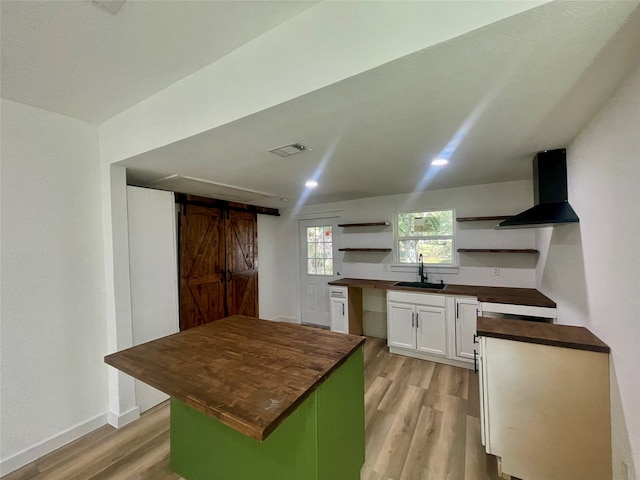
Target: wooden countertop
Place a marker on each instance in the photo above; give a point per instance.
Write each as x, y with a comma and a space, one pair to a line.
578, 338
514, 296
248, 373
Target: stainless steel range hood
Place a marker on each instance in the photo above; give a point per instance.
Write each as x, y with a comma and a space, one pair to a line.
550, 194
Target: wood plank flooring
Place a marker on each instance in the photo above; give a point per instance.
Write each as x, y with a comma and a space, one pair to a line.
421, 419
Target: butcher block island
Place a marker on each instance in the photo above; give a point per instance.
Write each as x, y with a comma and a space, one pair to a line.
255, 399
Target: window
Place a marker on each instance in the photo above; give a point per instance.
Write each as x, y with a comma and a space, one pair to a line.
320, 251
426, 233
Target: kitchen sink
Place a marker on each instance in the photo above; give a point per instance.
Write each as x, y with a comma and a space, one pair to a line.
436, 286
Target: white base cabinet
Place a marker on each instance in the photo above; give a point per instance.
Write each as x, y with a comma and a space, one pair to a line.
417, 327
338, 297
346, 309
432, 327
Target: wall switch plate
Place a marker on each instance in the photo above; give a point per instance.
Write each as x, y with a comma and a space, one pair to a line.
496, 271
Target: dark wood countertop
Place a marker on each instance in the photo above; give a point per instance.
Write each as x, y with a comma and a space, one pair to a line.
567, 336
514, 296
364, 283
248, 373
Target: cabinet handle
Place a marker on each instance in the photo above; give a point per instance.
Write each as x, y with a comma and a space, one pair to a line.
223, 278
343, 309
457, 310
413, 320
417, 320
475, 361
475, 338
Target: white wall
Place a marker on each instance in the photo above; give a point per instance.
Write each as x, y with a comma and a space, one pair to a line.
279, 276
592, 269
53, 333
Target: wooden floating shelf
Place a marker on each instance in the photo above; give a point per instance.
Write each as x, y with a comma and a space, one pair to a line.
497, 250
364, 249
482, 219
370, 224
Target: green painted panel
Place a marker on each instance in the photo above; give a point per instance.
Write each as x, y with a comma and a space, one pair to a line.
202, 448
322, 440
341, 429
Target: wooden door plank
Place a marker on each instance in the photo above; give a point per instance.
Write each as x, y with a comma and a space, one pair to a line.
202, 276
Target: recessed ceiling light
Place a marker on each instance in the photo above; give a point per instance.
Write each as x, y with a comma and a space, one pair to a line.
438, 162
311, 184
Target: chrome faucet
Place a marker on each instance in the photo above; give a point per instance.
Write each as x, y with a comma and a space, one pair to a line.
421, 273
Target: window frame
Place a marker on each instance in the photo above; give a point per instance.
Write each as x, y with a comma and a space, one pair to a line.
397, 238
324, 259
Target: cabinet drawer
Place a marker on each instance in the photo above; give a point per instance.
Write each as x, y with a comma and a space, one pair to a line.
338, 292
416, 298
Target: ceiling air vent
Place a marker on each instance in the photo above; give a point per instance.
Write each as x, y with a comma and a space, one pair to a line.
111, 6
288, 150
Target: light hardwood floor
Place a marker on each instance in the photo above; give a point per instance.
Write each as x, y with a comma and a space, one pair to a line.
422, 423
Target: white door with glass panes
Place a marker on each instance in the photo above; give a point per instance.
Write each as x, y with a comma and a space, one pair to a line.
318, 246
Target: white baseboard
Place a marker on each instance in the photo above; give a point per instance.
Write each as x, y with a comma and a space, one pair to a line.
129, 416
432, 358
286, 319
30, 454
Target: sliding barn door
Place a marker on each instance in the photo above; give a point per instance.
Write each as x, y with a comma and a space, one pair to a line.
242, 257
202, 265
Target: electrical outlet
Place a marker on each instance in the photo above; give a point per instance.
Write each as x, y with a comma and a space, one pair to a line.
627, 471
385, 267
496, 271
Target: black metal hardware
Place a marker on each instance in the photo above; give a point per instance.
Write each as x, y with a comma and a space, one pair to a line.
475, 338
417, 320
475, 361
343, 309
224, 276
412, 320
457, 310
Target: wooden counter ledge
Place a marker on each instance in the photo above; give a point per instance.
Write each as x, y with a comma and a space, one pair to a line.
578, 338
510, 295
250, 374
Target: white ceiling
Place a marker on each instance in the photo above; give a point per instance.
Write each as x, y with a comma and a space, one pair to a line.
497, 94
76, 59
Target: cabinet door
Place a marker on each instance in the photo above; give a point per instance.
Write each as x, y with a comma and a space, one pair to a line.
339, 321
431, 330
401, 325
466, 317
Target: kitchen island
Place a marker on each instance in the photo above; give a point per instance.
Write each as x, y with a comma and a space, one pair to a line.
254, 399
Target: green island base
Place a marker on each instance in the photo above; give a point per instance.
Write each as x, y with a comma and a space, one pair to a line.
323, 439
